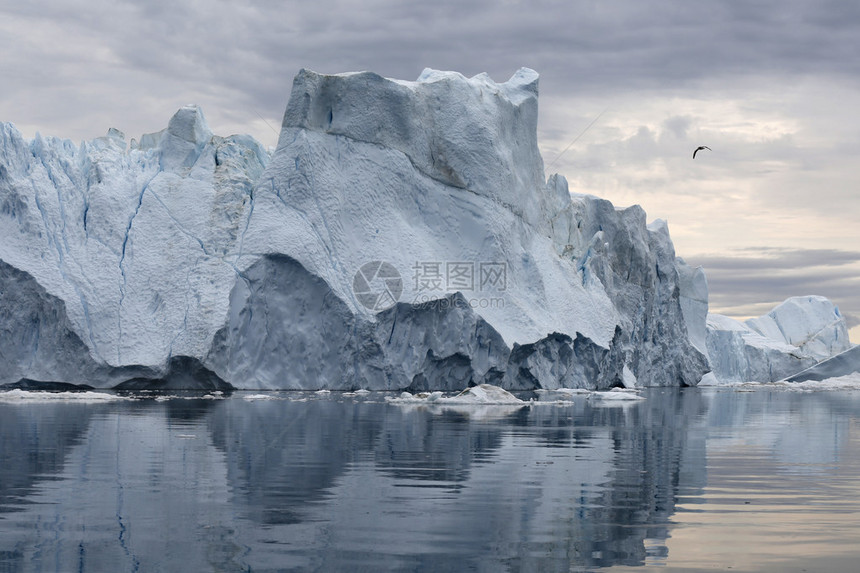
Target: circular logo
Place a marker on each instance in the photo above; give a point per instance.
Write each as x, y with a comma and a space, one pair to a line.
377, 285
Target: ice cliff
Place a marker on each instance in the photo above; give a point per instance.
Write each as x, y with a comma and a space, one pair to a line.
116, 258
401, 236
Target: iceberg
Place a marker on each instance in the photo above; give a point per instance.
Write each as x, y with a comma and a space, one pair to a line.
844, 365
114, 257
794, 336
400, 237
483, 394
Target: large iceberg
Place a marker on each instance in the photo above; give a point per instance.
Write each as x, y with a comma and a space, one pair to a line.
400, 236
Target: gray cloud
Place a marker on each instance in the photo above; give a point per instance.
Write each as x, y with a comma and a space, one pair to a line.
776, 82
745, 282
256, 47
766, 259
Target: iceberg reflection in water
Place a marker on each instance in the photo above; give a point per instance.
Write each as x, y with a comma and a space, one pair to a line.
684, 479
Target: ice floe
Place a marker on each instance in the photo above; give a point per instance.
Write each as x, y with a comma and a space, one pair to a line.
19, 396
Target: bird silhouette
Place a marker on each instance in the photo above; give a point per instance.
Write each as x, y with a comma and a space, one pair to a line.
701, 147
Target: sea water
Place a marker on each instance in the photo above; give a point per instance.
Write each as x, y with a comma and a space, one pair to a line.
746, 478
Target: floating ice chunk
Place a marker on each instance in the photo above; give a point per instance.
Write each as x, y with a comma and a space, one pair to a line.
558, 396
256, 397
361, 392
617, 394
483, 394
421, 397
167, 397
20, 396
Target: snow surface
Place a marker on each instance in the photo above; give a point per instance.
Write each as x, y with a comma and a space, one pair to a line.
813, 324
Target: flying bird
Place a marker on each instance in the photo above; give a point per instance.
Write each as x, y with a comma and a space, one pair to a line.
701, 147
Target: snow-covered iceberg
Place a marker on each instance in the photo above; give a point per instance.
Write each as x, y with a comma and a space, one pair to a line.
795, 335
115, 258
401, 236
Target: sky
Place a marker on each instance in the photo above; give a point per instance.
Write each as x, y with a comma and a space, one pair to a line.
628, 90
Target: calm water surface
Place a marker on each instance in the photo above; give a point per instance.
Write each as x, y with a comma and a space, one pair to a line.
685, 480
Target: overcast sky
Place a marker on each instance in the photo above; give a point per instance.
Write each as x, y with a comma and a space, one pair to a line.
771, 86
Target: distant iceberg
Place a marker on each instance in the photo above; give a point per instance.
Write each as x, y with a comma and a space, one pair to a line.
795, 335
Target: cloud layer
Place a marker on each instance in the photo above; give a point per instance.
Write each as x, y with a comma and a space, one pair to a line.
772, 87
748, 282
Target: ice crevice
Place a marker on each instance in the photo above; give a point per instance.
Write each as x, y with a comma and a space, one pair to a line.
247, 224
177, 222
123, 284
